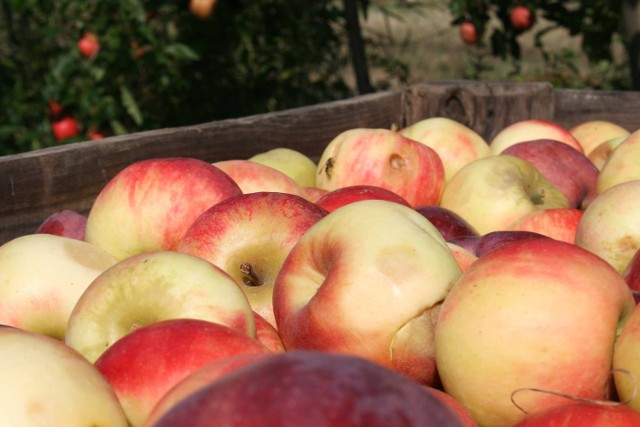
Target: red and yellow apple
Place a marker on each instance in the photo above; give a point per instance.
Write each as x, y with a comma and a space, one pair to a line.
530, 129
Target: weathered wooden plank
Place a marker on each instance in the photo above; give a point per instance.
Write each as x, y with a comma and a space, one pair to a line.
35, 184
486, 107
574, 106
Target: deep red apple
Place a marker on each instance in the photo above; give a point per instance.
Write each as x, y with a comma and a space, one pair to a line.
345, 195
66, 223
584, 414
89, 45
312, 389
66, 127
482, 245
522, 18
450, 224
469, 32
631, 275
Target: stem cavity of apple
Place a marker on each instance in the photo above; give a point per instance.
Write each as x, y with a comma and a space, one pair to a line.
251, 277
537, 197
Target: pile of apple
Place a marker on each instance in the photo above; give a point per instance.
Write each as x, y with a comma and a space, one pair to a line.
413, 277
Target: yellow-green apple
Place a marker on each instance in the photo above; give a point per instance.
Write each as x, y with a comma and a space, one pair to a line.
626, 365
455, 143
312, 389
352, 193
591, 133
150, 204
538, 314
567, 169
346, 288
66, 223
463, 256
249, 236
254, 177
609, 227
494, 192
584, 414
267, 334
448, 223
145, 364
601, 153
296, 165
529, 129
198, 379
45, 382
150, 287
482, 245
622, 164
42, 276
383, 158
560, 224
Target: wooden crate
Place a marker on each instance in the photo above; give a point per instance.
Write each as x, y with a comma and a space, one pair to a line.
35, 184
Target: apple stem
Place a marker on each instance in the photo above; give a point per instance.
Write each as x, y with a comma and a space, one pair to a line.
250, 277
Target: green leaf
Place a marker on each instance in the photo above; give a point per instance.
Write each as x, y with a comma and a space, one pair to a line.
117, 127
182, 52
130, 104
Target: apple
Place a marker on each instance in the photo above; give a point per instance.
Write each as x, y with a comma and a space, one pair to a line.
609, 227
151, 287
249, 236
521, 18
331, 288
482, 245
95, 134
55, 109
584, 414
463, 256
149, 205
314, 193
457, 407
494, 192
198, 379
449, 224
345, 195
469, 33
45, 382
312, 389
383, 158
601, 153
89, 45
267, 334
42, 277
529, 129
65, 128
622, 164
254, 177
560, 224
65, 223
567, 169
202, 8
626, 369
294, 164
538, 314
631, 273
591, 133
145, 364
455, 143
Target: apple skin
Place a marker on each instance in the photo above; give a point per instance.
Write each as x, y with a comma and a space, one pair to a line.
602, 152
145, 364
46, 382
609, 227
267, 334
494, 192
626, 369
254, 177
198, 379
631, 273
151, 287
65, 223
622, 164
521, 18
568, 170
89, 45
42, 277
592, 133
449, 224
453, 404
469, 33
294, 164
291, 388
560, 224
202, 9
463, 256
455, 143
584, 414
65, 128
537, 314
530, 129
330, 288
149, 205
345, 195
482, 245
256, 229
383, 158
314, 193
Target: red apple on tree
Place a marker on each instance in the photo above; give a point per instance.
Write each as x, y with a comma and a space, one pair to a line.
469, 32
89, 45
65, 128
521, 18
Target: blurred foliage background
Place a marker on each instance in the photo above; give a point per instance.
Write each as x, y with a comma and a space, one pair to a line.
162, 63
